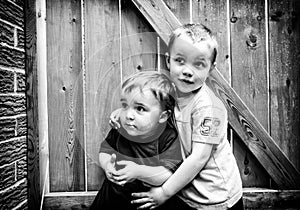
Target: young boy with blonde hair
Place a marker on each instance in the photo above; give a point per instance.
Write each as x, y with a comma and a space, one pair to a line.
209, 177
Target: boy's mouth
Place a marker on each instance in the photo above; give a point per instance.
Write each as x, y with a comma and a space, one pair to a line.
130, 125
186, 81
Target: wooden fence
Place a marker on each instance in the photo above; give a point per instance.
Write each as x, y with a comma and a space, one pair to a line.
92, 45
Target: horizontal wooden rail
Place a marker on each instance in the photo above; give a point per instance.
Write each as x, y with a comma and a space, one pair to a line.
251, 132
253, 199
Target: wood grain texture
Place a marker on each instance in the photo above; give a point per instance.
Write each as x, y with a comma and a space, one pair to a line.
159, 16
251, 171
138, 42
213, 14
102, 79
32, 107
271, 199
241, 118
249, 76
253, 199
180, 8
255, 137
284, 30
65, 92
248, 56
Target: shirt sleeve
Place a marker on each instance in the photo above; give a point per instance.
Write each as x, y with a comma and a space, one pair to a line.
209, 125
109, 144
170, 150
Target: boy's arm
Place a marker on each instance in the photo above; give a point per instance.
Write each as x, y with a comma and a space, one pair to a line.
190, 167
163, 167
186, 172
152, 175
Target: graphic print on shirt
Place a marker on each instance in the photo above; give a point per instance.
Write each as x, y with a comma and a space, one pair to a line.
210, 126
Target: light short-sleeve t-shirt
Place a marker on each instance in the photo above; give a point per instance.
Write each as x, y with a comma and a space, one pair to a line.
203, 119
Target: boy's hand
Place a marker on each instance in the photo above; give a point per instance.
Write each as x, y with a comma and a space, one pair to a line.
127, 174
113, 119
151, 199
110, 168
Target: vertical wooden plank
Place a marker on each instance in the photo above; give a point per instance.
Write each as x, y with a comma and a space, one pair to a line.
284, 31
249, 77
65, 104
102, 79
138, 41
42, 97
32, 106
249, 55
213, 14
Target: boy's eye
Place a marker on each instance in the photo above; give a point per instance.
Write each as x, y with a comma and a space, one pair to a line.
124, 105
140, 109
199, 64
179, 60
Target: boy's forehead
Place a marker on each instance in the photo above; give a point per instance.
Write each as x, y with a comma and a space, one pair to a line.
137, 92
184, 43
194, 41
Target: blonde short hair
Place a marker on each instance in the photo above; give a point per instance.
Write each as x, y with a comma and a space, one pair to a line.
197, 33
159, 84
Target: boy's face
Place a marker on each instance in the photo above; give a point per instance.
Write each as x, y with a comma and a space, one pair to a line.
141, 113
189, 64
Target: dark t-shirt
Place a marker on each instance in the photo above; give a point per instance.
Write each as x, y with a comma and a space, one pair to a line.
163, 150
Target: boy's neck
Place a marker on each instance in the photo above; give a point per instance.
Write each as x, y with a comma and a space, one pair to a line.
188, 95
145, 138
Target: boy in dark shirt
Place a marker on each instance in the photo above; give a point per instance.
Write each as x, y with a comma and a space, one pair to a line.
145, 151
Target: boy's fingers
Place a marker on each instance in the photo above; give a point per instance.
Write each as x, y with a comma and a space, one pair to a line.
122, 162
146, 206
113, 158
140, 195
122, 183
114, 124
141, 200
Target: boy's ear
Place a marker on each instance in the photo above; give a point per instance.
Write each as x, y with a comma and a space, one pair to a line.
167, 59
164, 116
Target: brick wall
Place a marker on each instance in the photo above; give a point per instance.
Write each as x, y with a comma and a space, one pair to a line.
13, 147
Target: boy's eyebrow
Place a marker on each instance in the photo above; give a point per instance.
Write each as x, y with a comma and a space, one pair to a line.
178, 54
123, 99
140, 104
200, 58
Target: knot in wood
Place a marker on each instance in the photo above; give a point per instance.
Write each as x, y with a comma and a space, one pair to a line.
233, 19
259, 18
252, 41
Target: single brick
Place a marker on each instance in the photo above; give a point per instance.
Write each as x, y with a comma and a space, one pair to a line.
11, 13
21, 126
13, 150
14, 195
7, 129
11, 57
21, 82
12, 105
20, 36
6, 81
6, 34
21, 168
7, 176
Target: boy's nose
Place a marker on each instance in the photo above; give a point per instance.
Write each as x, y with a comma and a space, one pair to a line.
130, 115
187, 72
